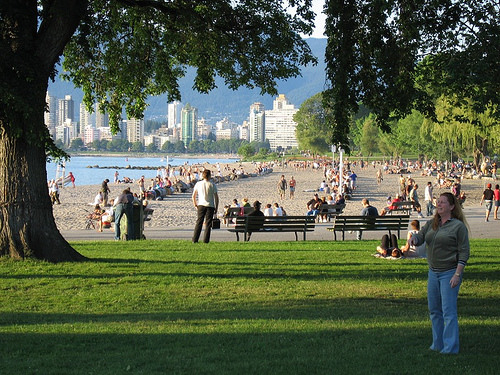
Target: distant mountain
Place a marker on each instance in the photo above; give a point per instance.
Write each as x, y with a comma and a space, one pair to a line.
223, 102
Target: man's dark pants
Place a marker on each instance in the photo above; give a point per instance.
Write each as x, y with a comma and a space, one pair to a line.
205, 214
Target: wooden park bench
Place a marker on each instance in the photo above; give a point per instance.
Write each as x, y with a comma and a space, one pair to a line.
403, 207
389, 224
331, 210
233, 212
273, 224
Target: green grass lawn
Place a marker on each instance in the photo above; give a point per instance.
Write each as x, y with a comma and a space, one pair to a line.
171, 307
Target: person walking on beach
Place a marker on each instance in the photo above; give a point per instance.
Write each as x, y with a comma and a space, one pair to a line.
105, 191
206, 201
487, 198
292, 184
282, 185
496, 195
447, 245
428, 197
72, 178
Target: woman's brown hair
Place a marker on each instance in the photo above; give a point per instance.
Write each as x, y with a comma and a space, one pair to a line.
456, 212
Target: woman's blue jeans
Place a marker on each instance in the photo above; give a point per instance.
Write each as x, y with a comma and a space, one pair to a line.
442, 301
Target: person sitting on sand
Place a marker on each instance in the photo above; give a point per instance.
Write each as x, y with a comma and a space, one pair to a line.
97, 215
98, 199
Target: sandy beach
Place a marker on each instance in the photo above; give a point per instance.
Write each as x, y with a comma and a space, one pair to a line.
177, 210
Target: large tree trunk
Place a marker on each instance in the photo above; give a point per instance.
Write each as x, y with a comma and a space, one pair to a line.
27, 225
29, 51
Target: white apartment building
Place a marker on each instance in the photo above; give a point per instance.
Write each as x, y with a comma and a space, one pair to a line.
257, 122
174, 114
279, 124
244, 131
203, 129
65, 110
135, 130
226, 129
50, 117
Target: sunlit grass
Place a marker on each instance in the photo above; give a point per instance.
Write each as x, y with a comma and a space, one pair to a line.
156, 307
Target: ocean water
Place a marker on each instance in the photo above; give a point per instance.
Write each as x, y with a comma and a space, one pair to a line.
80, 166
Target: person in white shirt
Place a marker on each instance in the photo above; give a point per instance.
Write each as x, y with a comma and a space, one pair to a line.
206, 201
268, 211
278, 211
428, 199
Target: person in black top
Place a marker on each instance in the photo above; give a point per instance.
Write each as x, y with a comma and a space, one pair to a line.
367, 210
256, 212
105, 190
487, 198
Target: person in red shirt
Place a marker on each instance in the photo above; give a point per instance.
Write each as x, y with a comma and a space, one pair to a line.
496, 197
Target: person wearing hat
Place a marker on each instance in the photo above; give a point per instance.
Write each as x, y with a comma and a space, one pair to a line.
487, 198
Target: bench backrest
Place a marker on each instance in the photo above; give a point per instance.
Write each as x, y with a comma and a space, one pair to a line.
371, 222
286, 223
335, 209
238, 211
404, 205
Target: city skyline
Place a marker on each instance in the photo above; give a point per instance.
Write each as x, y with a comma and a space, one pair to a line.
275, 125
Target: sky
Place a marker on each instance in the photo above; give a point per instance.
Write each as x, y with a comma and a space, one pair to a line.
320, 18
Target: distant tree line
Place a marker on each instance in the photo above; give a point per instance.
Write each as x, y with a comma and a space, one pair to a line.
456, 132
207, 146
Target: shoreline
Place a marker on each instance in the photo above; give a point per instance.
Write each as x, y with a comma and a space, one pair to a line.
176, 210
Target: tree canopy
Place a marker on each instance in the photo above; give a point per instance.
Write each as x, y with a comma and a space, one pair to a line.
395, 56
123, 51
119, 52
313, 132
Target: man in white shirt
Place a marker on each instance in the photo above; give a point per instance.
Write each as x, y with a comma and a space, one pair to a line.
206, 201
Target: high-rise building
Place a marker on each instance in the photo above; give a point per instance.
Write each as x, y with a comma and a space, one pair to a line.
135, 130
101, 119
257, 122
189, 120
86, 118
203, 129
95, 119
280, 126
50, 117
65, 110
174, 114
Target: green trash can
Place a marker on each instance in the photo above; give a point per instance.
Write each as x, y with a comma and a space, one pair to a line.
138, 222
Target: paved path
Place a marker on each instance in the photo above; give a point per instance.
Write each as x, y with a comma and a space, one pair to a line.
475, 217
